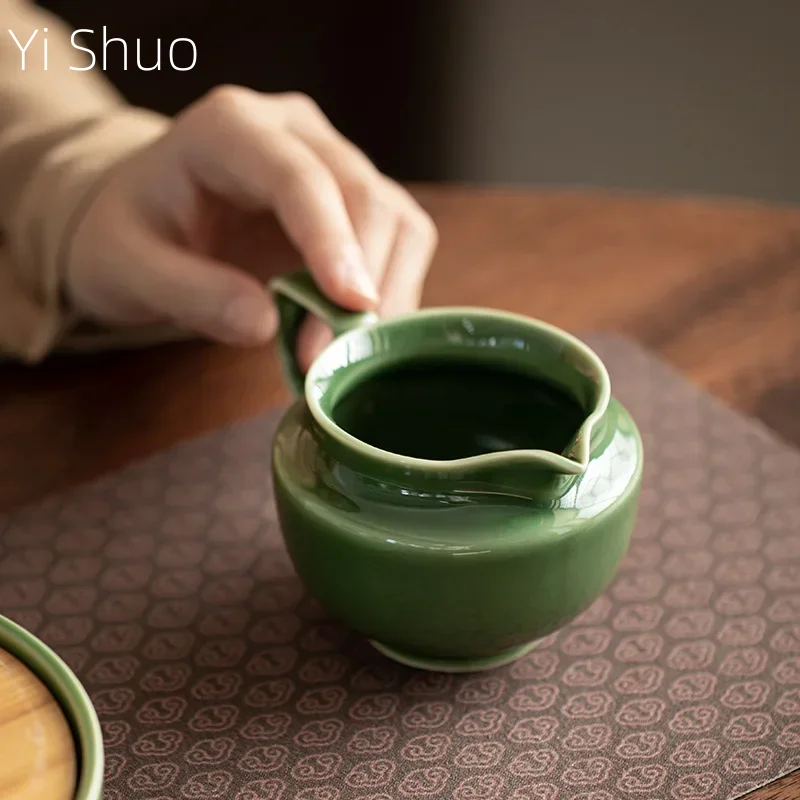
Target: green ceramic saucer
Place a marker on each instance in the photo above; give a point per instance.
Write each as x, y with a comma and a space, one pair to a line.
72, 698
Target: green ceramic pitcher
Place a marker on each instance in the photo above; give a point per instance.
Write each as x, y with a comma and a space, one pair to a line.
459, 564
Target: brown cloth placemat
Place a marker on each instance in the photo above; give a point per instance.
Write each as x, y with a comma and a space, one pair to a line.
167, 589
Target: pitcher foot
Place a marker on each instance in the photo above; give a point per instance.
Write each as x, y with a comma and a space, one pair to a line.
454, 665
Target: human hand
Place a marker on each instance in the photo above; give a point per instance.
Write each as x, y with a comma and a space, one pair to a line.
244, 186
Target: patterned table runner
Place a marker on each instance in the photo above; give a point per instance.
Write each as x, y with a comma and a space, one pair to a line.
167, 588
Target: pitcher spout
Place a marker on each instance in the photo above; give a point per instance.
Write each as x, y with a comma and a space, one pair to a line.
536, 475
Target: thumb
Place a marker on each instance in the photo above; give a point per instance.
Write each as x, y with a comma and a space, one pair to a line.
202, 295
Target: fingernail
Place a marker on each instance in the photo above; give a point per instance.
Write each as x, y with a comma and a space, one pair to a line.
250, 318
358, 279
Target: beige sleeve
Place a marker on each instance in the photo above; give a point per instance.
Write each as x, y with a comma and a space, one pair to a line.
60, 131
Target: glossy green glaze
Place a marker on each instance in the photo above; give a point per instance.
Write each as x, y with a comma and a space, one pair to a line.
461, 563
72, 698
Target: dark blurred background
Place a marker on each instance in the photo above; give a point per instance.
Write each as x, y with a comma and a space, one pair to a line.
658, 96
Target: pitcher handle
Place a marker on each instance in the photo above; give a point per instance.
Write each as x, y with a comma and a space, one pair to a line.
295, 296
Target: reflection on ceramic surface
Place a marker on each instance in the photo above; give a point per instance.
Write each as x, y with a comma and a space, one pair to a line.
607, 476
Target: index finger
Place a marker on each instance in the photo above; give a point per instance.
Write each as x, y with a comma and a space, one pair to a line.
242, 155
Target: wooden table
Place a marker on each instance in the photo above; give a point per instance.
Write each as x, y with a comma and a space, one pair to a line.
714, 287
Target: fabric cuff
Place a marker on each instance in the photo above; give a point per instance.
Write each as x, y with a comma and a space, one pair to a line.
51, 205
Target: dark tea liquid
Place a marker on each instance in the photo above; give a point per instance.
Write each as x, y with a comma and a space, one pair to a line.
446, 410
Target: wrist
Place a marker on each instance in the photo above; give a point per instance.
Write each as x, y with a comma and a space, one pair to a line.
54, 201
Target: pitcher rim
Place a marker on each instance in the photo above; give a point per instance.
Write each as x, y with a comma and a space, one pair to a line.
566, 465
